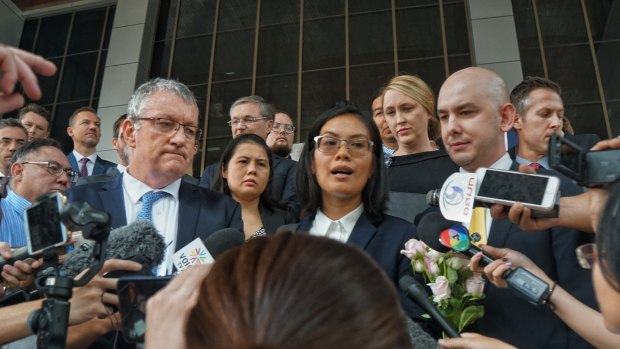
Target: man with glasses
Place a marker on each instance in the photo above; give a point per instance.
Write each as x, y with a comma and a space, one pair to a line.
161, 131
252, 114
280, 139
38, 167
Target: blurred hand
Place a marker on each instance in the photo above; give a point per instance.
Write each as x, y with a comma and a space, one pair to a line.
175, 301
20, 66
89, 302
21, 273
473, 341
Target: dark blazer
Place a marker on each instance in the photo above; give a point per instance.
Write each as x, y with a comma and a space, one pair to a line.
382, 237
101, 165
201, 211
273, 218
282, 180
516, 322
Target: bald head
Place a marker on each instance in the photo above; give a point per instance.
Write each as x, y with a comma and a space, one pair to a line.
474, 111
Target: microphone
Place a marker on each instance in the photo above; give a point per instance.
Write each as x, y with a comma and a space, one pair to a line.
139, 242
415, 291
442, 235
215, 244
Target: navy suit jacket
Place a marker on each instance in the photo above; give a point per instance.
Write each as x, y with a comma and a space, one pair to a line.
382, 237
282, 181
101, 165
201, 211
513, 320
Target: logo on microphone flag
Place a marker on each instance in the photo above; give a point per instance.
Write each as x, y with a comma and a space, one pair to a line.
192, 254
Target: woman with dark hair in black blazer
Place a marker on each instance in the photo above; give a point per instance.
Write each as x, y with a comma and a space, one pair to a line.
342, 191
245, 175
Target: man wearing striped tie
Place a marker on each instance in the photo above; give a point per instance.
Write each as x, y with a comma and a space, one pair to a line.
475, 112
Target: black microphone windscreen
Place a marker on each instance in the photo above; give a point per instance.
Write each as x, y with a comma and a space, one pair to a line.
429, 228
223, 240
139, 242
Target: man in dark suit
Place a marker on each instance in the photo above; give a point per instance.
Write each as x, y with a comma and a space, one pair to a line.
85, 130
475, 113
252, 114
161, 130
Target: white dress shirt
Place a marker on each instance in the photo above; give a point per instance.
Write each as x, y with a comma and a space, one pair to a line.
90, 165
165, 213
339, 229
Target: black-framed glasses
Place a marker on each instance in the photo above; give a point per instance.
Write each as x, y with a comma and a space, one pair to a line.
357, 146
245, 121
586, 255
168, 126
286, 128
55, 169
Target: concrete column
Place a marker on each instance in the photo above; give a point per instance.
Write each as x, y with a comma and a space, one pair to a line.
494, 38
127, 65
11, 23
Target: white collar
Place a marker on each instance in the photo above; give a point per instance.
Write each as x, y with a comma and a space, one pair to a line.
322, 222
136, 189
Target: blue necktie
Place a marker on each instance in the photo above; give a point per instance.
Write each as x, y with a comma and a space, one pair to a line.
146, 212
148, 200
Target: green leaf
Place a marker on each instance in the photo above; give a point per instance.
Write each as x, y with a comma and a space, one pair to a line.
470, 315
452, 276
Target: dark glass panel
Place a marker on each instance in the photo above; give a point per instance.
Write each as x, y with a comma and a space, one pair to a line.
77, 77
61, 121
457, 38
525, 24
587, 118
458, 62
279, 11
86, 30
28, 33
418, 32
233, 55
279, 90
237, 14
430, 70
108, 27
607, 56
49, 84
101, 69
369, 6
572, 68
53, 35
365, 80
324, 44
191, 60
414, 3
531, 62
320, 91
222, 97
196, 17
613, 109
215, 147
323, 8
165, 21
604, 17
200, 91
161, 59
561, 22
370, 38
277, 49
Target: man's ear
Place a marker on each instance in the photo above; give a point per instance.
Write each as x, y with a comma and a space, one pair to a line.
69, 131
128, 130
518, 122
507, 114
16, 170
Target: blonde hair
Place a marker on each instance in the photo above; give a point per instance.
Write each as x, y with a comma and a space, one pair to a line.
415, 88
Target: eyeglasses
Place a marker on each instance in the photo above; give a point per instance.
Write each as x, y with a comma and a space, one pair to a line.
586, 255
329, 145
55, 169
286, 128
245, 121
167, 126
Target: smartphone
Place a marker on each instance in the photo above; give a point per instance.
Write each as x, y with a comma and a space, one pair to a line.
133, 292
537, 192
44, 229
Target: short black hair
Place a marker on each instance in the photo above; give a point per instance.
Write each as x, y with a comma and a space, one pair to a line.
13, 123
519, 94
374, 194
117, 125
37, 109
79, 110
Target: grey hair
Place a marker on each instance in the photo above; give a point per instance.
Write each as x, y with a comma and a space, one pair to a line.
142, 94
266, 110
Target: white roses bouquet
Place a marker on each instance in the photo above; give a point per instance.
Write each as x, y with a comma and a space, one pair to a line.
456, 289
